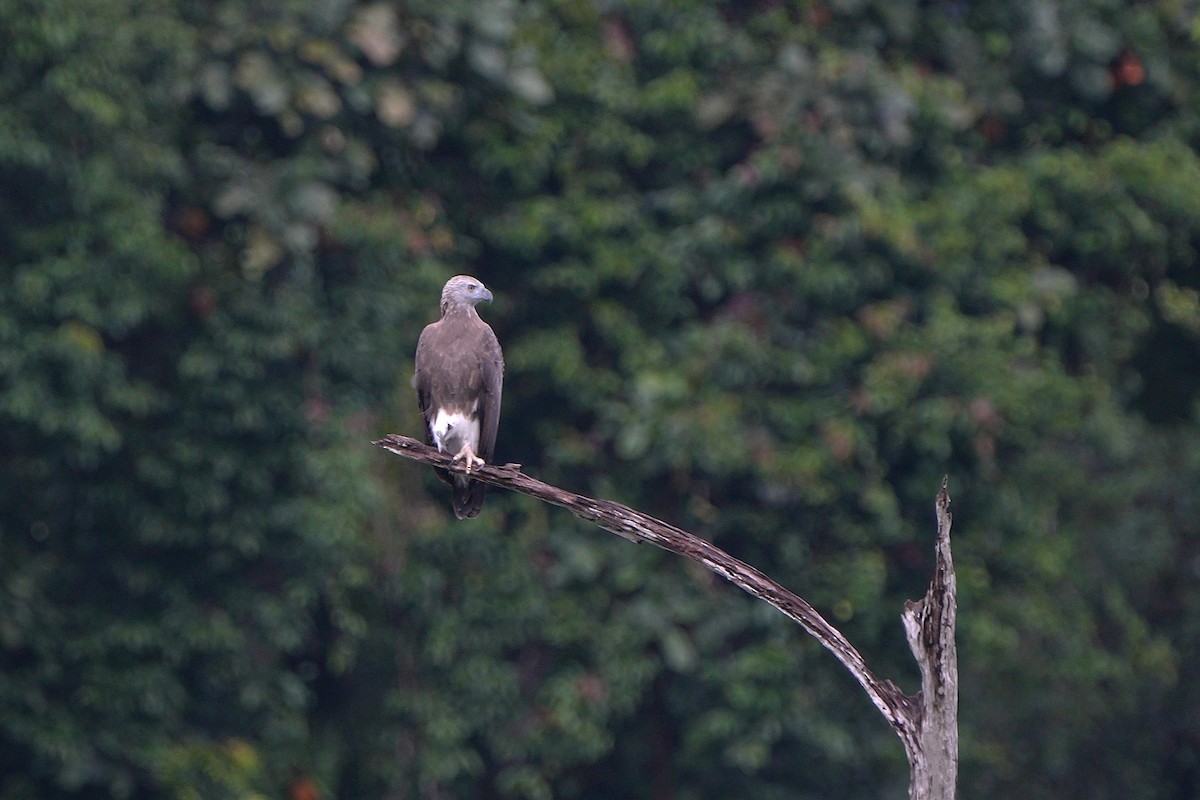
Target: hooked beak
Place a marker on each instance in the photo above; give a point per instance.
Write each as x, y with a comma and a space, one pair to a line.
487, 294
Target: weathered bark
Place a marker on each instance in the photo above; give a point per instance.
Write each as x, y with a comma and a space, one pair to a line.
929, 626
926, 723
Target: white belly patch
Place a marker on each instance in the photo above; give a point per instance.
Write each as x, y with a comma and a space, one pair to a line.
452, 431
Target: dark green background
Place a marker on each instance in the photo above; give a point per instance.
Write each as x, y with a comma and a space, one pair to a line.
767, 270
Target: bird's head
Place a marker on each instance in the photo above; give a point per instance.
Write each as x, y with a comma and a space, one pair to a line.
463, 290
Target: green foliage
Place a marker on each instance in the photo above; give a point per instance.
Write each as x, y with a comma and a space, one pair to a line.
765, 270
206, 770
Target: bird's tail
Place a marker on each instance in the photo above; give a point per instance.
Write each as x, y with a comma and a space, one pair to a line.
468, 498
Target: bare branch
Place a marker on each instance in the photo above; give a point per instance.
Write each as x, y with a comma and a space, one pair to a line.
897, 708
927, 724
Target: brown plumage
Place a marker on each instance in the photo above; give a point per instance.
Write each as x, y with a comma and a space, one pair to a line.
459, 376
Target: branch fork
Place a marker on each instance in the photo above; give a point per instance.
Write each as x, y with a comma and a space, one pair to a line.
926, 723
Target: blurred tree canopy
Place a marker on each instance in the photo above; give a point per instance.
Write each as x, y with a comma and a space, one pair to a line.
764, 269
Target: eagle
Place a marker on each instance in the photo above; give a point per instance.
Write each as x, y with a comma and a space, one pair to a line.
458, 377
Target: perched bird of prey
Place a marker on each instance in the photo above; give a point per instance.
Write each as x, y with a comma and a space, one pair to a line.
458, 378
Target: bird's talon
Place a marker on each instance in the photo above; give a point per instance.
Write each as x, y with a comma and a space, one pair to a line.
469, 460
